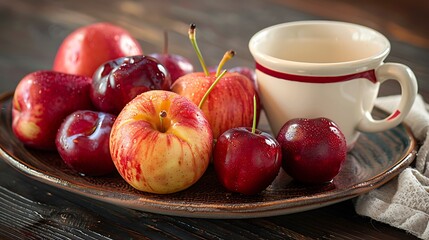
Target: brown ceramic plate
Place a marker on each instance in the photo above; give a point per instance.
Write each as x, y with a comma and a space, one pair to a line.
375, 159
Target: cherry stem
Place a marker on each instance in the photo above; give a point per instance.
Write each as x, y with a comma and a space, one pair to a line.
211, 88
226, 57
165, 50
192, 37
162, 115
254, 115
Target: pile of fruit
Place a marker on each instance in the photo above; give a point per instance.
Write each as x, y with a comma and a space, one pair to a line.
105, 106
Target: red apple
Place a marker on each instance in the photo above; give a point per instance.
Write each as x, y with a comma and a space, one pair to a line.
175, 64
83, 142
230, 102
161, 142
41, 102
228, 105
245, 71
86, 48
313, 150
248, 72
117, 82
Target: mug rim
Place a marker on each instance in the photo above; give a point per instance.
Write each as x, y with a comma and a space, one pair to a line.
318, 68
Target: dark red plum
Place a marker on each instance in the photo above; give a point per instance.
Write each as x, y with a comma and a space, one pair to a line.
176, 65
117, 82
313, 150
83, 142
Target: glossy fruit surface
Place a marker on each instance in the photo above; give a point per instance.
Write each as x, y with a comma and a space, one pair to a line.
83, 142
175, 64
246, 71
229, 104
313, 150
246, 162
161, 142
42, 100
86, 48
117, 82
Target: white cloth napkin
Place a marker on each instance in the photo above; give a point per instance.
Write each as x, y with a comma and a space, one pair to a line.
404, 201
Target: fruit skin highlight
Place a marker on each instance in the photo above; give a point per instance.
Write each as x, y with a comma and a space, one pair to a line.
246, 162
313, 149
161, 142
83, 142
86, 48
118, 81
175, 64
42, 100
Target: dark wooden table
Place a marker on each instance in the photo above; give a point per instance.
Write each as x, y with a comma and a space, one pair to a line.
31, 31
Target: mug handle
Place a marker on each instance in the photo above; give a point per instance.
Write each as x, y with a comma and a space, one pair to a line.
407, 80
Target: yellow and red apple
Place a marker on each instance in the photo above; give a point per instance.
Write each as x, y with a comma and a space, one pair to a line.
161, 142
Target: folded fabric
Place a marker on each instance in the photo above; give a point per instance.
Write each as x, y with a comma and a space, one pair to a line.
404, 201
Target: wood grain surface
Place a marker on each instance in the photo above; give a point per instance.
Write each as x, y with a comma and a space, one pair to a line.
32, 30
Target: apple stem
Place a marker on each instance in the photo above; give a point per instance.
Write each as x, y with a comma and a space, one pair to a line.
254, 115
226, 57
165, 50
211, 88
162, 115
192, 37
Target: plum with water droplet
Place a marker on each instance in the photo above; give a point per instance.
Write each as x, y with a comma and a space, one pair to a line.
83, 142
313, 150
117, 82
175, 64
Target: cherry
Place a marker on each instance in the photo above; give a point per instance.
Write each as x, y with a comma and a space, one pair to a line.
83, 142
175, 64
313, 150
246, 160
117, 82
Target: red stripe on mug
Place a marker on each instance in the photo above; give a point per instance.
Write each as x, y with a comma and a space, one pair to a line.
370, 75
394, 115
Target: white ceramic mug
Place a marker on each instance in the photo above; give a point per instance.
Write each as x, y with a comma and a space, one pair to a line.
310, 69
